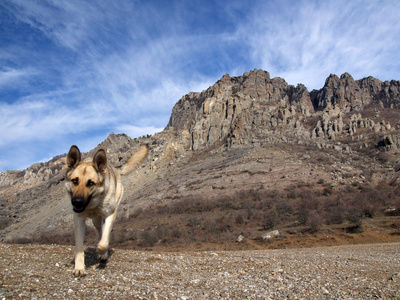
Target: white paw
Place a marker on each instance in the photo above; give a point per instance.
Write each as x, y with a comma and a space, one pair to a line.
104, 256
79, 272
102, 251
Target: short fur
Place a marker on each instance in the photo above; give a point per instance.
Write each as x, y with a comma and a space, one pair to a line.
96, 191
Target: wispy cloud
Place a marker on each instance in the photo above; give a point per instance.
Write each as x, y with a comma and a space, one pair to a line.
13, 78
74, 71
308, 40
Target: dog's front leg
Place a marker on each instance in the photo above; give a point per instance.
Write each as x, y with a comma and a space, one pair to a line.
79, 230
102, 247
98, 224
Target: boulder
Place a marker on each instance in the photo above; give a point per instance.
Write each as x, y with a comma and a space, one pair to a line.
270, 235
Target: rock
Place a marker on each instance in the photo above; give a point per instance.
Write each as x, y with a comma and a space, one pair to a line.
270, 235
351, 95
390, 141
240, 238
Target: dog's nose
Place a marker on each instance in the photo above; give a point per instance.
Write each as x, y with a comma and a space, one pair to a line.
78, 203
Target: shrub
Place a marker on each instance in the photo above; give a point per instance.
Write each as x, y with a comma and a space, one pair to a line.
270, 219
149, 237
354, 216
194, 222
240, 219
283, 207
176, 233
315, 222
217, 225
302, 215
335, 215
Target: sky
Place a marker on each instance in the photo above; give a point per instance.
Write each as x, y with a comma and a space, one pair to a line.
73, 71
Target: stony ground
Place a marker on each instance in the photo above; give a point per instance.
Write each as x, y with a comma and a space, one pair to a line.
345, 272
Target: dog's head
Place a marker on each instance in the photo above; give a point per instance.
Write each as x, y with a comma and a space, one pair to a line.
84, 179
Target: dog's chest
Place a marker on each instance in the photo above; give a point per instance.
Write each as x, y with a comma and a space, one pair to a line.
95, 212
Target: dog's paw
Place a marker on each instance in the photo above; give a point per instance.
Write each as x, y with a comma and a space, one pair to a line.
102, 252
79, 272
103, 257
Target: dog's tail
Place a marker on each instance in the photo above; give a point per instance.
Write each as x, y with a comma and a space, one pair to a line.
135, 161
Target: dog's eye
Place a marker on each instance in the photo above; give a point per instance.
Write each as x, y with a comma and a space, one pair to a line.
90, 183
75, 181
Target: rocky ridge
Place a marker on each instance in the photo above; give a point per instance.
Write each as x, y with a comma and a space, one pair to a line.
253, 109
249, 131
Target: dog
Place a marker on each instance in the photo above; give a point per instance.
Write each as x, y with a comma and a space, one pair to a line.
96, 190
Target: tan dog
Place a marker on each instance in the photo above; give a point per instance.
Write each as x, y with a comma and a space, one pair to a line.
96, 192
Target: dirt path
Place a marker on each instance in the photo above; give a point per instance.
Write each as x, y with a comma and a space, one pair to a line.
345, 272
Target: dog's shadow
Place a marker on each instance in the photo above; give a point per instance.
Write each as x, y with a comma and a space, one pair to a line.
92, 258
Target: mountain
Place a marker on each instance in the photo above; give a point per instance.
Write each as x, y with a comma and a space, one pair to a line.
250, 153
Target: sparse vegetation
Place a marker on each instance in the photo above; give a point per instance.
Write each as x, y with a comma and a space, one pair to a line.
300, 209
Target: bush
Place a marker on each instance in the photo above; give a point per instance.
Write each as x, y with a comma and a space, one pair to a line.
149, 237
270, 219
335, 215
302, 215
194, 222
283, 207
240, 219
354, 216
315, 222
176, 233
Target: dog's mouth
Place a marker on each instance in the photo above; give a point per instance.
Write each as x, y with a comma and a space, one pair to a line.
78, 209
79, 204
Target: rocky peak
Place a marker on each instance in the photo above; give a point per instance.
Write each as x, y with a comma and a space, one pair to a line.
217, 108
253, 109
342, 92
115, 145
351, 95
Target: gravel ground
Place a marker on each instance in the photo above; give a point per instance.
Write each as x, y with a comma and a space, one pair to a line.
345, 272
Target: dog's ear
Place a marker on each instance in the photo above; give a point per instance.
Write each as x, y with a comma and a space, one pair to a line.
73, 158
100, 161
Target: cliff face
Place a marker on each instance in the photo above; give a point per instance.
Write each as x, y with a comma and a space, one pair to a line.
251, 131
352, 95
253, 109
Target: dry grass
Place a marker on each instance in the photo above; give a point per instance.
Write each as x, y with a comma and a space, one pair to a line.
299, 212
305, 215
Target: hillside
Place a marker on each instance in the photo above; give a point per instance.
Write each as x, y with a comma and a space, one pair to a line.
248, 155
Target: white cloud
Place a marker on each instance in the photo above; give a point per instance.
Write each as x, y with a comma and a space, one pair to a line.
308, 40
67, 23
135, 131
122, 65
12, 77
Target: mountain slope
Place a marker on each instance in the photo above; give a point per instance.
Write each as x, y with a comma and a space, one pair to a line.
248, 153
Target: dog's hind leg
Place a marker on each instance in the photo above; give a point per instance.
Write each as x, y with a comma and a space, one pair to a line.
79, 253
102, 247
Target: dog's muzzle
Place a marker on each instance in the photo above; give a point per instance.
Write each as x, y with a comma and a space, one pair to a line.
79, 204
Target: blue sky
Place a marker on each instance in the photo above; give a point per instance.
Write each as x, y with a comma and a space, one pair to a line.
73, 71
